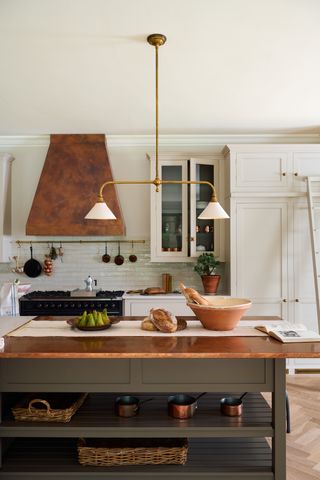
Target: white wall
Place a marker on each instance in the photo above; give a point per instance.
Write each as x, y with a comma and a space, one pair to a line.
79, 66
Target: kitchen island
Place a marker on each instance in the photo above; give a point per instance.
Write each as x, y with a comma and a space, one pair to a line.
221, 447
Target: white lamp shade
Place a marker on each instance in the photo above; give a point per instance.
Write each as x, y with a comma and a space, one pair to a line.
100, 211
213, 211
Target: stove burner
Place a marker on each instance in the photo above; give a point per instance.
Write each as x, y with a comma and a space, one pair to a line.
110, 294
48, 294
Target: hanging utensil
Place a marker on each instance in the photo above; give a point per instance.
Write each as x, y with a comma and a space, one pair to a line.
60, 252
17, 268
132, 257
106, 257
32, 268
118, 259
53, 253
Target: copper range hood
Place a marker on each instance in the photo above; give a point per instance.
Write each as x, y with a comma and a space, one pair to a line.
70, 178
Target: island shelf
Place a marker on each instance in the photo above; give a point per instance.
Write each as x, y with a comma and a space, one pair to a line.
220, 447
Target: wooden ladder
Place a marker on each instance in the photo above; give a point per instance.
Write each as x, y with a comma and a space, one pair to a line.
315, 247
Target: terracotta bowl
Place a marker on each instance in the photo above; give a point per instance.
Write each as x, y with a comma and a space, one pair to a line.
224, 313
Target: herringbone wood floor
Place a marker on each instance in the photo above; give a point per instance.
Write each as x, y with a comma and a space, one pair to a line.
303, 443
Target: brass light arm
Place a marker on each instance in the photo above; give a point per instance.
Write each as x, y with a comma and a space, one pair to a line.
122, 182
193, 182
157, 182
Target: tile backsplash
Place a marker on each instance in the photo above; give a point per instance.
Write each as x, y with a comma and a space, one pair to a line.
81, 260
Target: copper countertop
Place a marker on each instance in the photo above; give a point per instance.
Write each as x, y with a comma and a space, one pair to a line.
153, 347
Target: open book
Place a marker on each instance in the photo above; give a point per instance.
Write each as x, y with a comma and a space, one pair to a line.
289, 332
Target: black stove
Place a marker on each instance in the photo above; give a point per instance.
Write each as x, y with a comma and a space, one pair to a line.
61, 302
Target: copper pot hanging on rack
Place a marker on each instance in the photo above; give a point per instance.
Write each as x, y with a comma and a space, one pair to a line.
118, 259
133, 258
106, 257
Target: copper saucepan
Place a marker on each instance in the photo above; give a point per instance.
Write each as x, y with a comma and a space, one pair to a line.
106, 257
118, 259
232, 406
183, 406
128, 406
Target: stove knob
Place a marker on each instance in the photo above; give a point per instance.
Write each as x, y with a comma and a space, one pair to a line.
66, 305
39, 305
59, 305
99, 305
72, 305
79, 305
52, 305
92, 305
113, 305
86, 305
46, 305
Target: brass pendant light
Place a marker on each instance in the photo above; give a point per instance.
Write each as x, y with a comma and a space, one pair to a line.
101, 211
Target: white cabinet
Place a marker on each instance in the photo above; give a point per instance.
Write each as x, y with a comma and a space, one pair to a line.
137, 305
259, 253
305, 164
177, 235
271, 168
269, 251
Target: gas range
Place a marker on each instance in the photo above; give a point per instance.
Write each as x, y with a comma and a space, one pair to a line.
61, 302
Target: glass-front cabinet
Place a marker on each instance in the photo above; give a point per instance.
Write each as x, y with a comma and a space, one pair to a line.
176, 232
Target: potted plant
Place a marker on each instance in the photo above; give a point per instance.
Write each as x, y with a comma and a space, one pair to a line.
206, 267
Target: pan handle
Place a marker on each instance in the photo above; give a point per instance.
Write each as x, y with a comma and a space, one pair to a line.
201, 395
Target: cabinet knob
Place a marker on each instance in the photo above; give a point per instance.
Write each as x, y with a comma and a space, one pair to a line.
191, 239
284, 300
297, 300
295, 174
284, 174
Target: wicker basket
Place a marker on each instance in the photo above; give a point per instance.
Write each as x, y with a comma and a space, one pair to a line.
137, 451
53, 408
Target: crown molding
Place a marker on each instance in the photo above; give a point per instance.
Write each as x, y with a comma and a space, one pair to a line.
120, 141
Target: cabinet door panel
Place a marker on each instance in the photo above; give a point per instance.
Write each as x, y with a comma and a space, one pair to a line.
256, 170
304, 289
261, 254
305, 164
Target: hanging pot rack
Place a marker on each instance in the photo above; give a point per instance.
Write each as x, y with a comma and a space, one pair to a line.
21, 242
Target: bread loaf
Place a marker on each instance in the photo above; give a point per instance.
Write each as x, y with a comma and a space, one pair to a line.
163, 320
192, 296
148, 325
153, 291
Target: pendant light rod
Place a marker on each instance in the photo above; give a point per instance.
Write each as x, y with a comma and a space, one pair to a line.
156, 40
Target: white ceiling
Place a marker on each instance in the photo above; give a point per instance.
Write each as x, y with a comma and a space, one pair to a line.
229, 66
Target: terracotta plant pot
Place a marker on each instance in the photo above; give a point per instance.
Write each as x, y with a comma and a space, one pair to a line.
210, 283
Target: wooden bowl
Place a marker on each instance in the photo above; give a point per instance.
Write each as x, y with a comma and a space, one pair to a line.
223, 314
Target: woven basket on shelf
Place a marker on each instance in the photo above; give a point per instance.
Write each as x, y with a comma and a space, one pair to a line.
137, 451
58, 408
